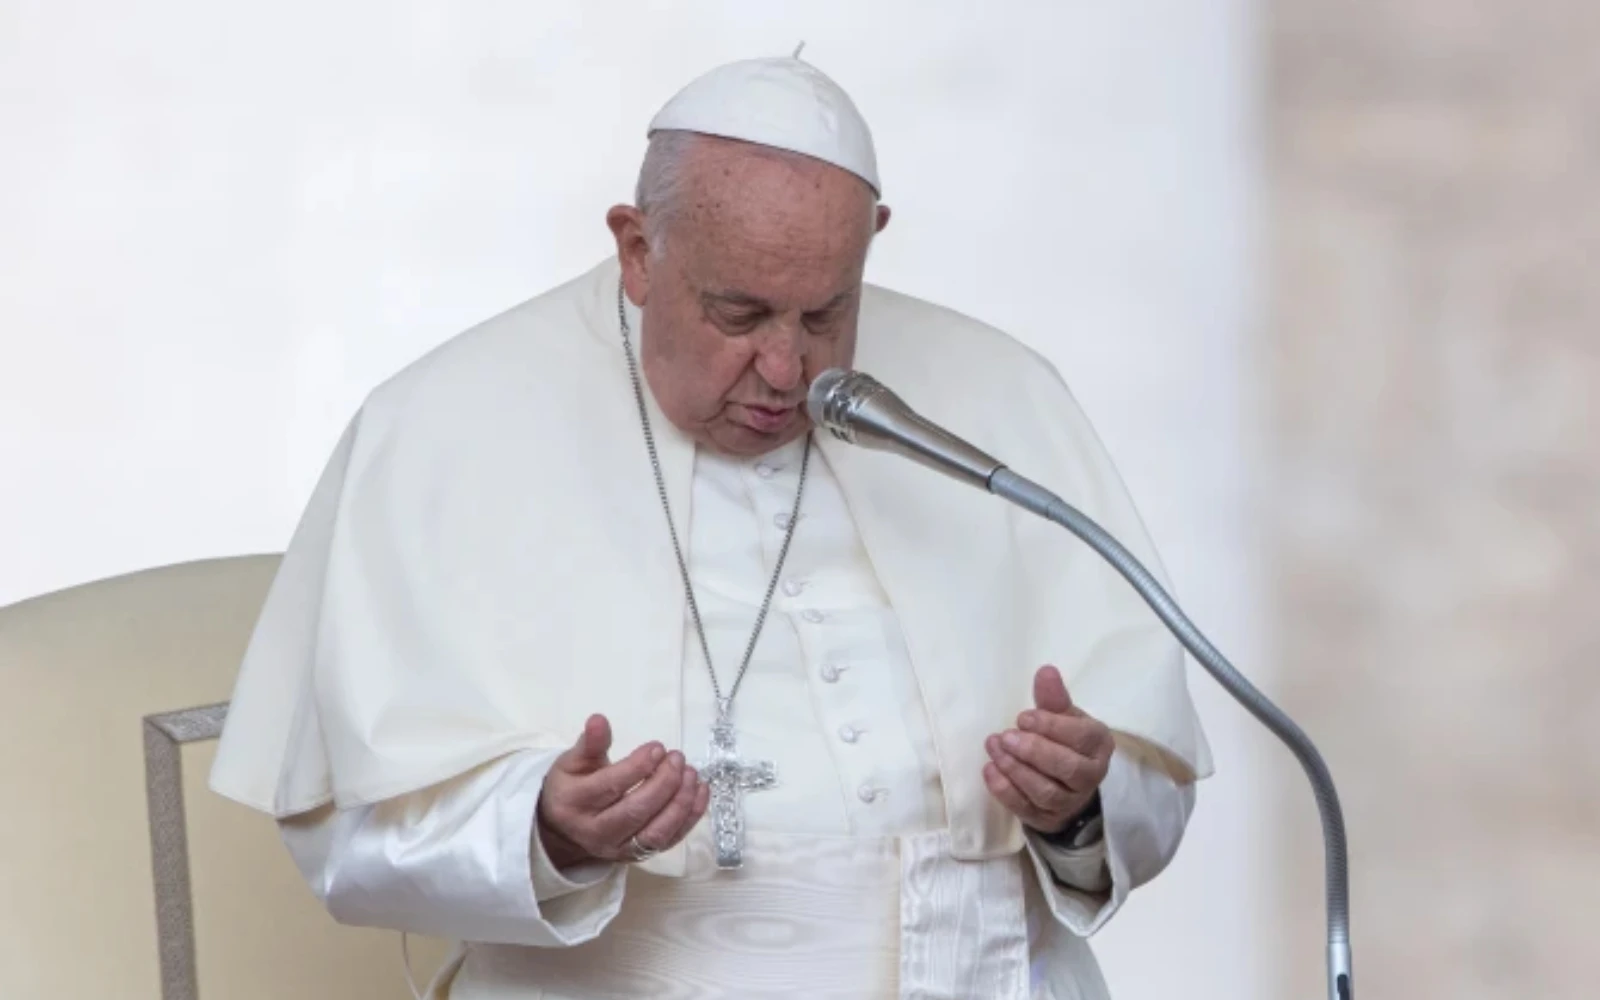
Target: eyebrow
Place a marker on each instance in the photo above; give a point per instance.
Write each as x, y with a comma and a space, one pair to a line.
736, 298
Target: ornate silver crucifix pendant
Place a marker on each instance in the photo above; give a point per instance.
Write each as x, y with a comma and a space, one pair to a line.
730, 777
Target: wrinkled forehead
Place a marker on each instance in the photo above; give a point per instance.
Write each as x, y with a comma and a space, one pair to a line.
774, 225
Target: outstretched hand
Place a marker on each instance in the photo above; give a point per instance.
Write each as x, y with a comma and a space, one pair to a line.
1048, 768
591, 808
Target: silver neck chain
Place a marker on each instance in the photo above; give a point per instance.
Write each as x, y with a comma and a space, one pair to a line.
724, 702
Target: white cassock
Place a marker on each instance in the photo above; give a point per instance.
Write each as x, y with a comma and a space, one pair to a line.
486, 563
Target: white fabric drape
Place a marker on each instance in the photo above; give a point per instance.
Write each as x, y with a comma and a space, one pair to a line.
483, 563
845, 868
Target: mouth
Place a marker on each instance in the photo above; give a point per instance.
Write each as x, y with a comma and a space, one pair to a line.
769, 419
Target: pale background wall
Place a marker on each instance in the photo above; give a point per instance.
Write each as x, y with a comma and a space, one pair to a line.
221, 224
1435, 462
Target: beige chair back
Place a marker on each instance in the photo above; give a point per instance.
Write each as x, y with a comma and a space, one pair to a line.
121, 874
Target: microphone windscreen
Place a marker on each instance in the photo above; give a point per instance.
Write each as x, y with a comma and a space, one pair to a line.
821, 386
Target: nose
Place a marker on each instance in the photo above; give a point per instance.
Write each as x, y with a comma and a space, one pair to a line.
781, 361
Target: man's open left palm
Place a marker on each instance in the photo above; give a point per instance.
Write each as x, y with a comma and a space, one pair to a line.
1048, 768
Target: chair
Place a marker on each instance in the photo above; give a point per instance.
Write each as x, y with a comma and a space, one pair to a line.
121, 874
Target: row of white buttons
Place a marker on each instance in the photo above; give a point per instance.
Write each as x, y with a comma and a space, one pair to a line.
830, 671
791, 587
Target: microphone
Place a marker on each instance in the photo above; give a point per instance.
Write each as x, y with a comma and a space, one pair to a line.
857, 409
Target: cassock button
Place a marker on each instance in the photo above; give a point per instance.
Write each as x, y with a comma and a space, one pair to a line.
812, 615
868, 794
849, 733
782, 521
765, 471
830, 673
793, 587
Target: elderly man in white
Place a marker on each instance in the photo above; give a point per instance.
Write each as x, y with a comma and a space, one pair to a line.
590, 655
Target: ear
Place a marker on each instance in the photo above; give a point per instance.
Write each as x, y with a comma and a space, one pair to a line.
633, 251
883, 218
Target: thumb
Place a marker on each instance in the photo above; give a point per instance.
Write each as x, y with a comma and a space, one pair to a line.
1050, 691
588, 753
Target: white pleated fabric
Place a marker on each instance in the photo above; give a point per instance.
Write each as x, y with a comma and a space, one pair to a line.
962, 932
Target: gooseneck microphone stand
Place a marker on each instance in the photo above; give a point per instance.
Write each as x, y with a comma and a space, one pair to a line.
857, 409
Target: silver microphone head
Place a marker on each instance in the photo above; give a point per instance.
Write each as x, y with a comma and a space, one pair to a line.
857, 409
835, 396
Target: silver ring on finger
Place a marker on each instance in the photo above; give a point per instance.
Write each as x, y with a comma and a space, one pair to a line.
638, 852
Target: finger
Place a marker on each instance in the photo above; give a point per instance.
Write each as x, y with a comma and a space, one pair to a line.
608, 785
588, 752
702, 800
1008, 795
1069, 768
667, 826
1050, 691
1087, 736
1046, 794
635, 809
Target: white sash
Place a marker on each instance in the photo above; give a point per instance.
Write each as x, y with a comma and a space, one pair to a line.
826, 918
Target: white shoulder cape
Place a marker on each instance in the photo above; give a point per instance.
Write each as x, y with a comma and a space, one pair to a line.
484, 563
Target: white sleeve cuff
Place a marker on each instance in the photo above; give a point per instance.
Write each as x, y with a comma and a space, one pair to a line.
1080, 910
1080, 868
551, 883
458, 861
1145, 812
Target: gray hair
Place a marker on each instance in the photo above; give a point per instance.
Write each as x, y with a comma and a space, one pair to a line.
662, 178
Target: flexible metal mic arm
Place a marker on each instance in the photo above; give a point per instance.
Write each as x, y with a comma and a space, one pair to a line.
857, 409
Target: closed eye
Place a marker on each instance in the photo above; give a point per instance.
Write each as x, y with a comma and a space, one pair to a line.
737, 314
736, 320
823, 320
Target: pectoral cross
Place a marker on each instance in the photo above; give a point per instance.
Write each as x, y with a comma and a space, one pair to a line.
730, 777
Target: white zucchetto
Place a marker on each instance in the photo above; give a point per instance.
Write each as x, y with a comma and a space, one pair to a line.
782, 102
